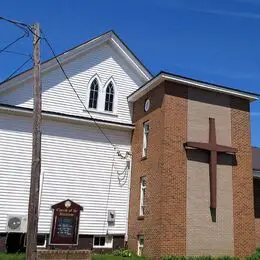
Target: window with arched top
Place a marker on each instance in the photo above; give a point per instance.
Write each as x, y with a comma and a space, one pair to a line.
109, 97
93, 95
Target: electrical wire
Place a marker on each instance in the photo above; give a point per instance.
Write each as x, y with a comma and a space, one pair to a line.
18, 53
108, 195
82, 103
13, 73
13, 42
27, 27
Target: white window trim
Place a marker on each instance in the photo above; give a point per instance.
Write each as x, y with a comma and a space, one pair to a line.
45, 242
256, 174
145, 138
107, 245
115, 100
139, 245
38, 246
142, 189
99, 93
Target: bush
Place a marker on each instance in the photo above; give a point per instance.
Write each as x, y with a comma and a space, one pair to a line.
199, 258
122, 252
255, 256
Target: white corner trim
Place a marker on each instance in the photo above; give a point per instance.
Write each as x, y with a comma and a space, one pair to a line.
161, 77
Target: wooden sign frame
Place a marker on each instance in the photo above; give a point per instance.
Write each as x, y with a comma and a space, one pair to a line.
65, 223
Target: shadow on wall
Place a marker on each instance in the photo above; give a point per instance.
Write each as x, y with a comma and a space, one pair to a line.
203, 156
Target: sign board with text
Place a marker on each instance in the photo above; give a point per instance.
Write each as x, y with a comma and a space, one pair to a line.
65, 223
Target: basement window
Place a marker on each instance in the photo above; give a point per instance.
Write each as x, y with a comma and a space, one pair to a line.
140, 245
103, 242
41, 240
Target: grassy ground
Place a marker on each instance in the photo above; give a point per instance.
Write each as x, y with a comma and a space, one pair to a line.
4, 256
112, 257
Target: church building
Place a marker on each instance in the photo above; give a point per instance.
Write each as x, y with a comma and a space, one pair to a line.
161, 164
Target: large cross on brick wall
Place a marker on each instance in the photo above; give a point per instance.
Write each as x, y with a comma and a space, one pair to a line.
213, 148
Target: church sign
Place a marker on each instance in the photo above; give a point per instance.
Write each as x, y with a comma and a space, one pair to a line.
65, 223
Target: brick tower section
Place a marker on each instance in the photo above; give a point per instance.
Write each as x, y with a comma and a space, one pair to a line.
243, 210
164, 222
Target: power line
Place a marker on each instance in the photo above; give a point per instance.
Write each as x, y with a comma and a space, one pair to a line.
27, 27
17, 23
13, 42
17, 53
13, 73
82, 103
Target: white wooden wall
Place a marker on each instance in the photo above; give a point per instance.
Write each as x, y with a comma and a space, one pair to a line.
76, 162
58, 96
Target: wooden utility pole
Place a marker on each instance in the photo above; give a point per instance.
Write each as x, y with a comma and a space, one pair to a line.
32, 227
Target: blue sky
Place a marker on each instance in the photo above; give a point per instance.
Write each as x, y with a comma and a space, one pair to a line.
216, 41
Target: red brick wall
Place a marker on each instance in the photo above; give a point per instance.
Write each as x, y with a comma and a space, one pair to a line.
150, 226
243, 210
164, 223
174, 171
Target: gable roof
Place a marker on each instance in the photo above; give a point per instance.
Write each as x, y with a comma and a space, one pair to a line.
77, 50
162, 76
256, 158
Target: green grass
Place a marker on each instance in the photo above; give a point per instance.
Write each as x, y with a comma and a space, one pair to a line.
4, 256
112, 257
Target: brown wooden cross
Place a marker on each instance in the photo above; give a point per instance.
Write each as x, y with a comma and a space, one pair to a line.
213, 148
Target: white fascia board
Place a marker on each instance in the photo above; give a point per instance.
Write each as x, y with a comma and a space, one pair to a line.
130, 57
256, 174
74, 53
52, 64
66, 118
161, 77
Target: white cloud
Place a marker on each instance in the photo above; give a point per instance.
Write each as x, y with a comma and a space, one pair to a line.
227, 13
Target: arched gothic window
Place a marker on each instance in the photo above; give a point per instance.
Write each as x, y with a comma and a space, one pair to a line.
93, 95
109, 97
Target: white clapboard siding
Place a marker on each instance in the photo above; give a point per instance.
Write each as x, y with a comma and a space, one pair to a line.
76, 165
105, 61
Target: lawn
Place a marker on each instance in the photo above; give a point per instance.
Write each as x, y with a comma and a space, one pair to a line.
4, 256
112, 257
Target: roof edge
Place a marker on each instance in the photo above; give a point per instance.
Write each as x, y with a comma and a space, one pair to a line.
64, 56
50, 114
162, 76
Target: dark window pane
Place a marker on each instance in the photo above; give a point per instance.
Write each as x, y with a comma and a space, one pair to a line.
109, 97
96, 241
40, 240
93, 96
257, 197
102, 241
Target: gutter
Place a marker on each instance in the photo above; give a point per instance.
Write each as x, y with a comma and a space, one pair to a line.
55, 116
